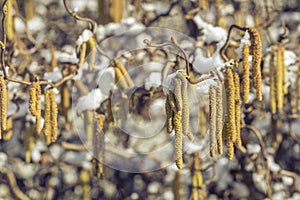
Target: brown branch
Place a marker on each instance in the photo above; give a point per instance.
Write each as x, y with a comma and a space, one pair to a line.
222, 50
85, 19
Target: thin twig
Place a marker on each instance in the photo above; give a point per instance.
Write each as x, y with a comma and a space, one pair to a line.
85, 19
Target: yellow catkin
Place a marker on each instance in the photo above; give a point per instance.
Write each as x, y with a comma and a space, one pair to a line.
120, 80
82, 53
127, 78
185, 106
212, 119
85, 184
246, 74
98, 146
116, 10
236, 78
53, 59
177, 94
169, 113
4, 100
197, 180
279, 80
219, 121
177, 186
65, 103
178, 139
202, 123
298, 88
272, 83
29, 9
9, 25
230, 97
256, 61
91, 51
230, 150
54, 112
9, 129
35, 103
47, 117
29, 143
283, 67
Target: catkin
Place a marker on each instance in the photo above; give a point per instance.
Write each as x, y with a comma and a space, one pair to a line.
119, 79
82, 54
177, 94
219, 120
35, 103
185, 106
4, 100
246, 74
230, 96
9, 25
127, 78
298, 88
197, 180
50, 117
256, 61
202, 123
91, 50
169, 113
283, 67
54, 112
237, 108
279, 80
230, 150
178, 139
272, 83
85, 179
177, 186
212, 119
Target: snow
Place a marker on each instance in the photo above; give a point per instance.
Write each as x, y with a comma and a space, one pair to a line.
210, 33
90, 101
36, 24
84, 37
53, 76
154, 80
106, 80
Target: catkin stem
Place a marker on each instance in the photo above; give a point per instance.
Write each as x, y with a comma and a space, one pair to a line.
212, 119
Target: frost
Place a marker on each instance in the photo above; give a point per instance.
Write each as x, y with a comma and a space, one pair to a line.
66, 57
154, 80
167, 82
203, 87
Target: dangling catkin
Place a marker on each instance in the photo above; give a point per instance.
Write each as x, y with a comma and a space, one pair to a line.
91, 50
246, 74
219, 120
298, 88
82, 54
4, 100
85, 179
285, 89
197, 180
178, 124
279, 80
272, 83
35, 103
177, 186
185, 106
127, 78
54, 112
119, 79
230, 150
212, 119
169, 113
256, 61
230, 96
47, 117
237, 108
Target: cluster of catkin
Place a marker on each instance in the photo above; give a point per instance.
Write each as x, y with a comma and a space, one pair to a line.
35, 104
277, 79
177, 111
87, 49
216, 118
231, 129
122, 77
3, 106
